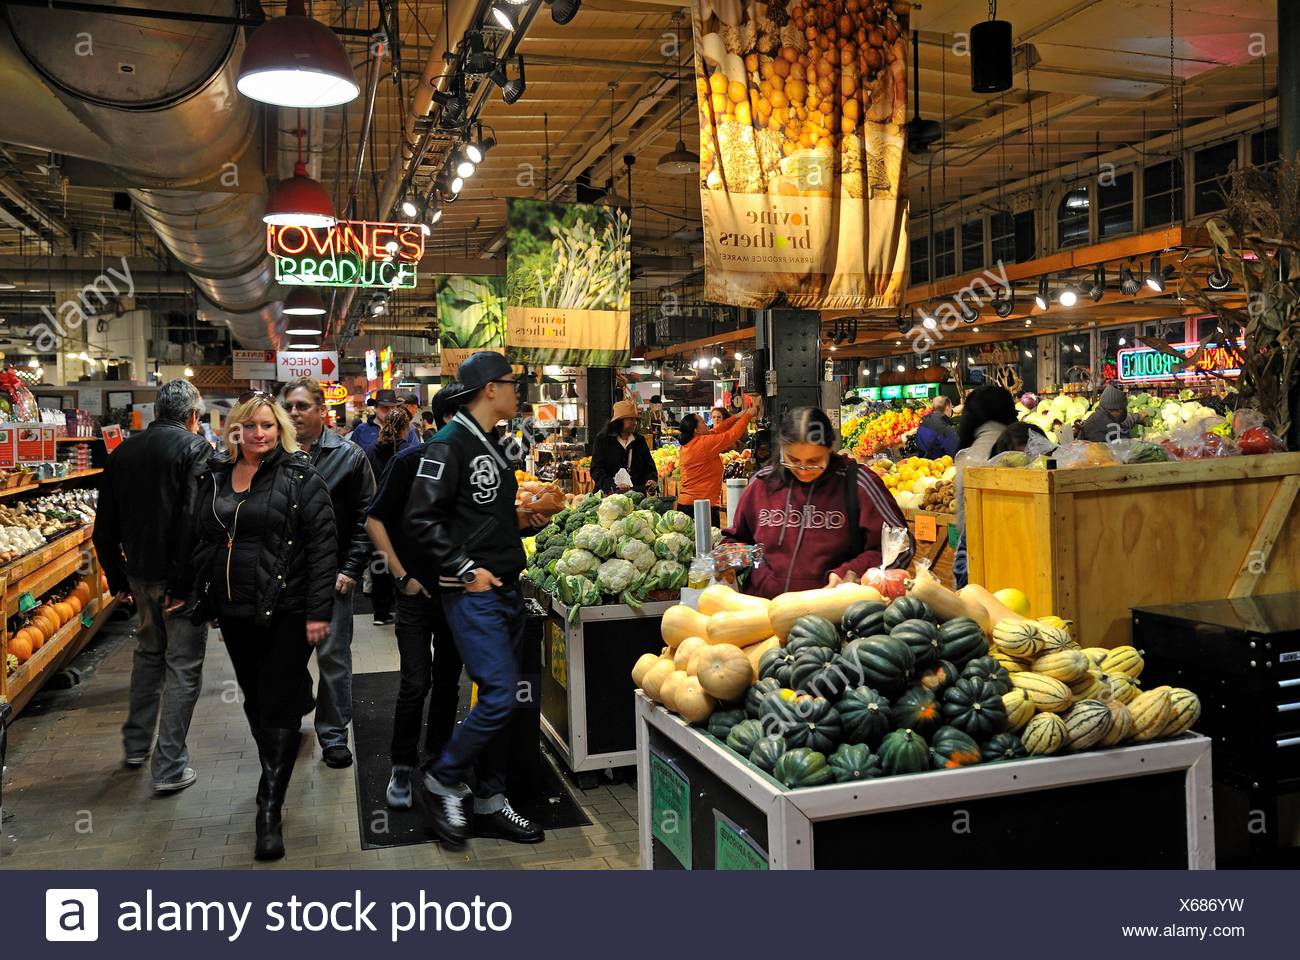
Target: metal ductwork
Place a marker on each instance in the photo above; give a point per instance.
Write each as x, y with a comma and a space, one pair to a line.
155, 103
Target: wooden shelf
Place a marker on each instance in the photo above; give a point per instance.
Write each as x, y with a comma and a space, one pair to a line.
26, 565
77, 439
76, 475
66, 643
14, 491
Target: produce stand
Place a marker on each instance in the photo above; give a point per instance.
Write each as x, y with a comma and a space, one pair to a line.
586, 690
1089, 544
703, 807
935, 538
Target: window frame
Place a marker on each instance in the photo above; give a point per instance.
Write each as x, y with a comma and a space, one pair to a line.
1178, 190
1120, 173
1236, 143
1089, 216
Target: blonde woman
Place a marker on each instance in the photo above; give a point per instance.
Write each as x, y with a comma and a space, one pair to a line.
266, 560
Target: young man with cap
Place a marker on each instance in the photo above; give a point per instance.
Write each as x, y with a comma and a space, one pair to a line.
1111, 421
461, 516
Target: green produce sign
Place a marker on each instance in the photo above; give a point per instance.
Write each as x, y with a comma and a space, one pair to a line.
670, 809
733, 849
920, 391
891, 393
870, 393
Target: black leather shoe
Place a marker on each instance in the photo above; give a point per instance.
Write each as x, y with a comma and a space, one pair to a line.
337, 757
506, 824
447, 814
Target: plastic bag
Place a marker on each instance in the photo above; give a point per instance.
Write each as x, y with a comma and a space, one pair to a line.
894, 542
1203, 440
1253, 437
732, 562
622, 479
1081, 453
1138, 451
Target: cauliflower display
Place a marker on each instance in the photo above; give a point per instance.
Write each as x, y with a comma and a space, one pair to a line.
637, 552
595, 539
614, 576
614, 507
634, 525
668, 575
674, 546
576, 562
676, 522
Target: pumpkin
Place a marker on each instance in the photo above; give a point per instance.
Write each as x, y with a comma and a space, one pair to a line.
961, 641
864, 716
1086, 724
904, 751
1121, 724
918, 710
1017, 638
653, 680
940, 678
1063, 665
64, 611
828, 602
866, 618
692, 701
1049, 695
20, 647
742, 737
922, 637
642, 667
721, 722
717, 597
756, 694
755, 651
73, 601
816, 670
687, 649
1184, 710
82, 592
802, 767
988, 668
974, 707
1002, 746
1151, 711
1019, 708
47, 611
906, 608
46, 622
1043, 735
680, 622
885, 663
767, 752
724, 671
1126, 660
854, 761
668, 689
812, 631
807, 722
950, 748
776, 665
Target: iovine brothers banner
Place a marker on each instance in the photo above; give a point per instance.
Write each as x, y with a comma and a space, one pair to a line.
802, 190
568, 283
352, 253
471, 317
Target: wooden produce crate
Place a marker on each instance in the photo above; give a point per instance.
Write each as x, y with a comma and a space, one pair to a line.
582, 482
1090, 544
935, 539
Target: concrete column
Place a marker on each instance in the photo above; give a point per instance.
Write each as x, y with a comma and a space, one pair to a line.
600, 399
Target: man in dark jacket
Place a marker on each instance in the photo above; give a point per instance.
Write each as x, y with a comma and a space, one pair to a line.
346, 472
144, 537
366, 433
461, 521
1111, 420
936, 436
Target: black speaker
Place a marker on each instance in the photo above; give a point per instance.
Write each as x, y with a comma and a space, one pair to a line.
990, 56
122, 202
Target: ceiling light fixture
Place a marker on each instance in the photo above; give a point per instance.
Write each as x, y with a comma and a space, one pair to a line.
511, 90
1123, 340
1068, 296
1158, 275
33, 363
1005, 302
465, 169
453, 101
1042, 300
1129, 284
410, 206
679, 161
1029, 354
990, 54
299, 201
189, 371
304, 302
6, 283
1098, 288
562, 11
296, 61
433, 214
502, 15
901, 368
457, 184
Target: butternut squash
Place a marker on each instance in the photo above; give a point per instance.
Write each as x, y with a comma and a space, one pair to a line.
945, 604
718, 597
681, 622
653, 681
828, 602
642, 667
755, 651
724, 671
686, 649
996, 611
740, 628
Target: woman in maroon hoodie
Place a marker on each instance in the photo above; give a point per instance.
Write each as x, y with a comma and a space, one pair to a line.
817, 514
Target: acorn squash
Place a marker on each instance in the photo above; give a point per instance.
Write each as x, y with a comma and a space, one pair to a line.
974, 706
742, 737
918, 710
922, 637
817, 670
767, 752
951, 748
864, 715
806, 722
854, 761
885, 663
1002, 746
961, 641
812, 631
904, 751
756, 694
866, 618
802, 767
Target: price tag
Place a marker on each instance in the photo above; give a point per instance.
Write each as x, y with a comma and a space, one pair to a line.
87, 619
926, 530
670, 809
26, 602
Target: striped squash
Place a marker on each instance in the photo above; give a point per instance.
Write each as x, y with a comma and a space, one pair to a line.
1044, 735
1087, 687
1049, 695
1055, 638
1122, 688
1009, 663
1019, 706
1184, 710
1017, 638
1126, 660
1063, 665
1121, 725
1086, 723
1096, 655
1151, 711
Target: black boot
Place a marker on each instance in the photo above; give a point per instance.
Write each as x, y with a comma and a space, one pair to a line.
278, 749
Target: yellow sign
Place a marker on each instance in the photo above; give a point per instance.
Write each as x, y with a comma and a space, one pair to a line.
559, 654
334, 392
560, 332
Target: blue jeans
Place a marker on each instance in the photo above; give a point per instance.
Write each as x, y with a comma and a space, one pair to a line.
489, 630
334, 661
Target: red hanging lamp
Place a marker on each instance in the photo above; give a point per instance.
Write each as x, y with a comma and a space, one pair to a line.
299, 201
295, 61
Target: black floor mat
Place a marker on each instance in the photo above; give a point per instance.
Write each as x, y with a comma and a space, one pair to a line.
374, 695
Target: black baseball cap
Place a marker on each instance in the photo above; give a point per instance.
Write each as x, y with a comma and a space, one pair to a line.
411, 399
481, 369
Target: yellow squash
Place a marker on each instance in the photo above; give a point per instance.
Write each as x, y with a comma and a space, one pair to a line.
680, 622
717, 597
739, 628
828, 602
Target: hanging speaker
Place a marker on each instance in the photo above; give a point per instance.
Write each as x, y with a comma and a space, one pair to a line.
990, 56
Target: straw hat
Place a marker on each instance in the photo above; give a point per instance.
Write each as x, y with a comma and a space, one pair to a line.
622, 409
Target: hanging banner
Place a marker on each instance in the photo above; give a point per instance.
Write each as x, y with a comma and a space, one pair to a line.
802, 183
568, 283
471, 318
352, 253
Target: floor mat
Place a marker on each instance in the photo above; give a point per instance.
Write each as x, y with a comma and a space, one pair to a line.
374, 696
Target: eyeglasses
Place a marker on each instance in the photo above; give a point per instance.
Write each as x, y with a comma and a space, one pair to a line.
805, 467
299, 405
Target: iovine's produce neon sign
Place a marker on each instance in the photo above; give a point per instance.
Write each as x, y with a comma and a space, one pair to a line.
1142, 364
352, 253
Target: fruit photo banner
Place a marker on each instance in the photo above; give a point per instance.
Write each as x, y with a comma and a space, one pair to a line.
802, 183
471, 317
568, 284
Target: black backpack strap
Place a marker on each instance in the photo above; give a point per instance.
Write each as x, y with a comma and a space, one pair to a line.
852, 508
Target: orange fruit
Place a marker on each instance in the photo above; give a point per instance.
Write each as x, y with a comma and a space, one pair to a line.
65, 612
20, 647
74, 602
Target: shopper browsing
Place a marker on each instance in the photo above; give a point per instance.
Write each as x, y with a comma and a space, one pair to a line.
421, 624
143, 537
346, 472
986, 414
462, 520
1111, 420
366, 433
266, 563
819, 517
936, 436
620, 447
700, 459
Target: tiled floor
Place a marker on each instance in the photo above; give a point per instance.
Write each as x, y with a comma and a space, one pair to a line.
69, 802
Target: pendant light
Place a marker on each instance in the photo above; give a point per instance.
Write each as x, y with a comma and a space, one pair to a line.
678, 161
295, 61
299, 201
304, 308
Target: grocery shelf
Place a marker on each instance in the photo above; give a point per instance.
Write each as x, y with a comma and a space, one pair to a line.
77, 439
66, 643
76, 475
16, 570
14, 491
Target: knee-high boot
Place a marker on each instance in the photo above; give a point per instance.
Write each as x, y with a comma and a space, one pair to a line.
278, 749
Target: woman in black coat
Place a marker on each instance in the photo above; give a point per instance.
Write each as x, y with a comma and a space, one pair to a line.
266, 557
620, 447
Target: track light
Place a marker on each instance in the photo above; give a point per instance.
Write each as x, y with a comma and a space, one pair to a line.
927, 320
502, 15
465, 169
1041, 299
1005, 302
1158, 275
1128, 283
434, 214
904, 324
457, 184
1068, 296
562, 11
453, 101
511, 90
968, 313
1098, 288
410, 207
1219, 279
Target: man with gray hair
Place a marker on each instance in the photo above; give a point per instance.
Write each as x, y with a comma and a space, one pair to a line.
144, 539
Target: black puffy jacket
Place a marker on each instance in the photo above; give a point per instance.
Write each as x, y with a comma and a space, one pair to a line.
282, 555
343, 466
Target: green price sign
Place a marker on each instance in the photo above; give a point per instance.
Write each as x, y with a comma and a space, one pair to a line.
891, 393
670, 809
26, 602
919, 391
871, 393
732, 847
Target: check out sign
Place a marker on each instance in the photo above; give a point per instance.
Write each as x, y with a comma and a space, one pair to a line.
306, 364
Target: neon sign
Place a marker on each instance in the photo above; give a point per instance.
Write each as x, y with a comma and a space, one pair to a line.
334, 392
1144, 364
352, 253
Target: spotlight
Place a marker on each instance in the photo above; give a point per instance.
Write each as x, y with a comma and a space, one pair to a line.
452, 101
968, 313
1157, 275
1123, 341
1098, 288
903, 324
1068, 296
479, 59
511, 90
1005, 302
503, 17
562, 11
433, 214
900, 368
1219, 279
457, 184
189, 371
1041, 299
928, 321
410, 207
1029, 354
1029, 322
465, 169
1128, 283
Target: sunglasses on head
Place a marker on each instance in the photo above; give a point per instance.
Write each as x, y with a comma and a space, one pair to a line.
248, 395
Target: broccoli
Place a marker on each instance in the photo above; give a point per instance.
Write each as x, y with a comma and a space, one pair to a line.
636, 498
574, 522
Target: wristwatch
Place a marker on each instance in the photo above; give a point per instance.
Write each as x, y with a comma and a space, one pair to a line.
402, 581
469, 576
